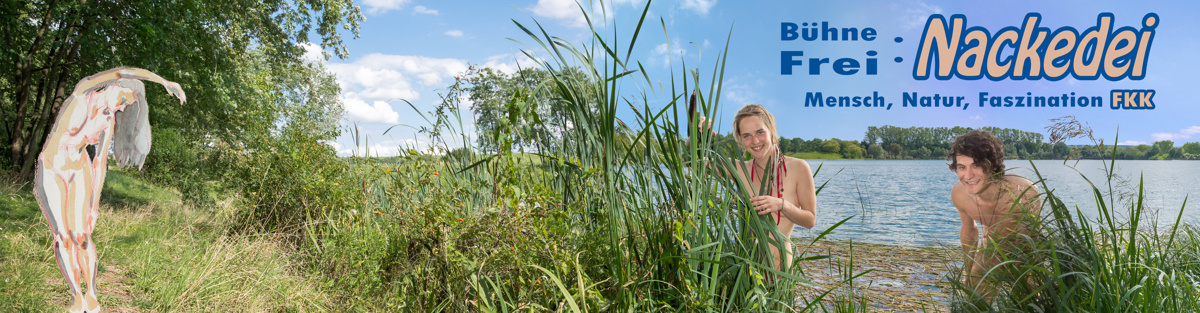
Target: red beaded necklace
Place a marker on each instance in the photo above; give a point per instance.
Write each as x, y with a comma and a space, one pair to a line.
780, 170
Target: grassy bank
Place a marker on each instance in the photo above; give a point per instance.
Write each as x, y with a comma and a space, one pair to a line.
602, 215
155, 255
817, 156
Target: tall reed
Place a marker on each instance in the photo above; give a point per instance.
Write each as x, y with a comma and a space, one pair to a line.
1076, 264
674, 235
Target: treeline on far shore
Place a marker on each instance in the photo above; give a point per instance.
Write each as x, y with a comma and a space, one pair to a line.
933, 143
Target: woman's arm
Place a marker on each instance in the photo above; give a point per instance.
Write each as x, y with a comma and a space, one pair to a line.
805, 214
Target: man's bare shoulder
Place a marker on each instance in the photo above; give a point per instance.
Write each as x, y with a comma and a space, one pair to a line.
1018, 184
958, 195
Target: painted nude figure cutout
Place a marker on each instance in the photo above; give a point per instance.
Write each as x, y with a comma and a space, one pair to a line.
104, 108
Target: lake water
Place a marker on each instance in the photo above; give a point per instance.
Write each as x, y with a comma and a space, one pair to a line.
908, 202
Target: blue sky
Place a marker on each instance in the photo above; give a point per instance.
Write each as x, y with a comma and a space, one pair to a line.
413, 49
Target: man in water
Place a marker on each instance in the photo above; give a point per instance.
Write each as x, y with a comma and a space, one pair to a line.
790, 198
983, 195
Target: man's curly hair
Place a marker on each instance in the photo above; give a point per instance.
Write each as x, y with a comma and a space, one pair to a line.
984, 148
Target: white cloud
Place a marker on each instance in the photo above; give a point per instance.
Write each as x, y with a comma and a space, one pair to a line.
663, 53
738, 96
381, 6
312, 52
700, 6
1131, 143
568, 11
359, 111
454, 33
915, 17
383, 77
976, 117
510, 63
336, 146
1185, 133
386, 148
423, 10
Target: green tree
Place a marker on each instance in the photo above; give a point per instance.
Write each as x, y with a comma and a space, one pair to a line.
1061, 150
831, 146
895, 150
1175, 154
1129, 153
785, 145
813, 145
205, 46
922, 153
1191, 147
1162, 149
283, 169
851, 149
491, 92
938, 153
876, 152
1151, 152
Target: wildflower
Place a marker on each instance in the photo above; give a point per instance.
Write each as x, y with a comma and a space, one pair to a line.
559, 204
460, 220
387, 170
435, 173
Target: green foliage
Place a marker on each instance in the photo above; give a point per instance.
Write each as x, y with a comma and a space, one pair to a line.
1074, 264
490, 92
876, 152
430, 225
25, 257
896, 151
815, 156
156, 254
286, 174
231, 57
852, 150
659, 230
1191, 147
831, 146
922, 153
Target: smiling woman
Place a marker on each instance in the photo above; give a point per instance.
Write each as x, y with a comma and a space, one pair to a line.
789, 197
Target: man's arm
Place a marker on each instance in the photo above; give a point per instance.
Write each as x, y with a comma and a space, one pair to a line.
968, 233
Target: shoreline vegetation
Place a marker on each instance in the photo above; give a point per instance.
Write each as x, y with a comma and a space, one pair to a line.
932, 143
554, 205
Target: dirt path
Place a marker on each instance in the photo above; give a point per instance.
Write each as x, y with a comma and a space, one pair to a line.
113, 291
903, 278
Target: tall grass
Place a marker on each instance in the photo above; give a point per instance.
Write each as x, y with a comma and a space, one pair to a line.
671, 234
155, 254
1076, 264
604, 216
